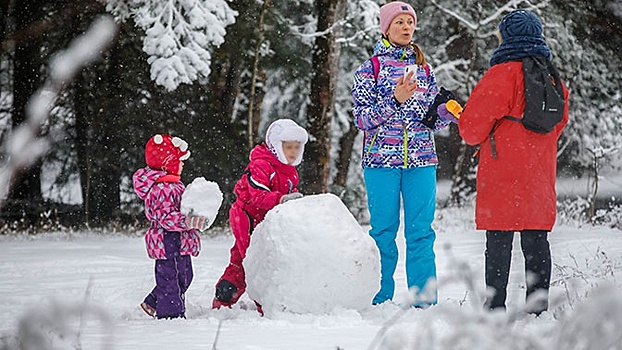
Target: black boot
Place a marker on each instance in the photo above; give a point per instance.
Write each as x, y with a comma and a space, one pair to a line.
225, 291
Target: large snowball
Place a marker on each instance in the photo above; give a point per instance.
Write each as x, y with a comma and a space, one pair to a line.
310, 256
202, 198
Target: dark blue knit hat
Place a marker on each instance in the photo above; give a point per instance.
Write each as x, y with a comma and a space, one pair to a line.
520, 23
521, 34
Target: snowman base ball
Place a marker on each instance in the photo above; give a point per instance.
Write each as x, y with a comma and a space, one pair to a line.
311, 256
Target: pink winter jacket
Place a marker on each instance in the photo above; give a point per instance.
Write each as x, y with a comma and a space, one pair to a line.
264, 182
162, 209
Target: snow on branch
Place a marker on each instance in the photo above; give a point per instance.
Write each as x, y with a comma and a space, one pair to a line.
178, 34
493, 17
25, 144
364, 12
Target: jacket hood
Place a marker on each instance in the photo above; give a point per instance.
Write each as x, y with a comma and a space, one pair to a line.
144, 179
286, 130
262, 152
384, 47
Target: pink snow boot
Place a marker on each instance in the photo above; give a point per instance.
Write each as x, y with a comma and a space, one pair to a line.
148, 309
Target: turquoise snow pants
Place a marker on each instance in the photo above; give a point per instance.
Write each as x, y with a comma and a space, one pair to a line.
417, 189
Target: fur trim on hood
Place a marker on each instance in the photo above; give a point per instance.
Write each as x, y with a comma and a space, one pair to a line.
285, 130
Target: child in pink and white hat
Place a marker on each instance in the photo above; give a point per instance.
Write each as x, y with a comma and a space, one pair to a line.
270, 178
172, 237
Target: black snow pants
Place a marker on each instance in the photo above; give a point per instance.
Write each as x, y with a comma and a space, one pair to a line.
537, 254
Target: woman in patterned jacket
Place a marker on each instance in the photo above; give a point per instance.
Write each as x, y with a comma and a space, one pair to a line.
172, 237
399, 156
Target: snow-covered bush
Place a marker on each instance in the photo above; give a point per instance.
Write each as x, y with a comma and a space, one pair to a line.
589, 316
58, 325
611, 217
573, 212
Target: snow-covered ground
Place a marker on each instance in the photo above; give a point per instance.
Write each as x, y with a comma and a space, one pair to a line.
46, 280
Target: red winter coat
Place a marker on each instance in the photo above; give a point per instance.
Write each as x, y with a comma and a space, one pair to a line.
264, 182
515, 191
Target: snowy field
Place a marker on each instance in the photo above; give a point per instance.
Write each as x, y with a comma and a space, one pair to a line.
86, 286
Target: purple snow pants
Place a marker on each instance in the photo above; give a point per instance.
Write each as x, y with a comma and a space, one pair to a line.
173, 277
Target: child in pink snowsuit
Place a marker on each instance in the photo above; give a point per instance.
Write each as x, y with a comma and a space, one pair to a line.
172, 236
269, 179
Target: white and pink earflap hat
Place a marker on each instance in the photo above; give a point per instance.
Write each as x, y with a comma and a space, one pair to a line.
285, 130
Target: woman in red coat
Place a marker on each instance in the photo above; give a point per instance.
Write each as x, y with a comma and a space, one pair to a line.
516, 185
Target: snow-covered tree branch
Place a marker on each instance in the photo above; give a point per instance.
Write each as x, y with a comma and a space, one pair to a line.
178, 35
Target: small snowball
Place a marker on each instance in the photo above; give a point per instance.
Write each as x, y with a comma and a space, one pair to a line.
202, 198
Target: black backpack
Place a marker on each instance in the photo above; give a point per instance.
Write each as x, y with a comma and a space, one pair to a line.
544, 96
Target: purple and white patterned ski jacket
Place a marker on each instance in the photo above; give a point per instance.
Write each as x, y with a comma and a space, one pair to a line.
394, 134
162, 209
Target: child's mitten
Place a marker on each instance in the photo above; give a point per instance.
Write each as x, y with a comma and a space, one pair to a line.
290, 196
432, 115
445, 114
200, 223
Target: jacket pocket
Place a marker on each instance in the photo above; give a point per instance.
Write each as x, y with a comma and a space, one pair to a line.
154, 242
190, 243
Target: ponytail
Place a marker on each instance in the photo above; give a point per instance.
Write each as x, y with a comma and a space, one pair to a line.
420, 59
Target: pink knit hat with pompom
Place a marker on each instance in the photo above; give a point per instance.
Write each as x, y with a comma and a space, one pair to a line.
391, 10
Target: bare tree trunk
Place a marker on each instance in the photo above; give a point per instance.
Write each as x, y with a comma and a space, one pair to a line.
96, 102
6, 23
105, 179
346, 143
591, 210
463, 184
325, 60
253, 110
464, 177
26, 193
82, 145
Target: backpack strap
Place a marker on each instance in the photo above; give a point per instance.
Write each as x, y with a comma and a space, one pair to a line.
375, 63
491, 136
514, 119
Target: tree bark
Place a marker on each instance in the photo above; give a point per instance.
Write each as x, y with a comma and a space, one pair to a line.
26, 192
346, 143
253, 108
463, 185
105, 176
325, 59
98, 102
